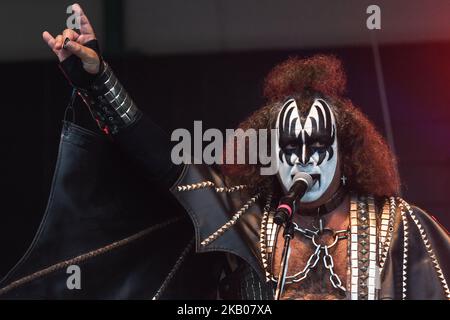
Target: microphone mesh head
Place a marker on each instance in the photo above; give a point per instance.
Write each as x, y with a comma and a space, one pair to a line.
305, 177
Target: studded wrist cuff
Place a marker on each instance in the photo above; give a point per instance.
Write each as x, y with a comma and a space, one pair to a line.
109, 103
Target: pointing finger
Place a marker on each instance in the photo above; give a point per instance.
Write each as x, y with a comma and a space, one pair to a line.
48, 38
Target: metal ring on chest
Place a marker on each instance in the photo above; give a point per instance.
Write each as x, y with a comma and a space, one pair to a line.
335, 235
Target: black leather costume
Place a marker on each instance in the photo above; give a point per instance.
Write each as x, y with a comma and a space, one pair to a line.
93, 220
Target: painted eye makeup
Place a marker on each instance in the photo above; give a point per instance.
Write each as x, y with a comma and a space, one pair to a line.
307, 142
291, 146
289, 143
306, 135
318, 145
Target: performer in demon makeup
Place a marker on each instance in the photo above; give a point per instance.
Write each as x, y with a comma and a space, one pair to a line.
369, 243
307, 143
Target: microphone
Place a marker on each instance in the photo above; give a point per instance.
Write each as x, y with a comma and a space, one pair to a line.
286, 207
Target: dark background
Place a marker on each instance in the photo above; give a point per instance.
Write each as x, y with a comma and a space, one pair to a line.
178, 71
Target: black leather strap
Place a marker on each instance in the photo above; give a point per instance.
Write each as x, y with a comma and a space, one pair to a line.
328, 206
73, 70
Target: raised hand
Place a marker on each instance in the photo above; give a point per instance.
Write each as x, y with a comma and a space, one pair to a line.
70, 42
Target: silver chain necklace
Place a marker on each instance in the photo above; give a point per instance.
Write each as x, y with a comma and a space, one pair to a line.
320, 249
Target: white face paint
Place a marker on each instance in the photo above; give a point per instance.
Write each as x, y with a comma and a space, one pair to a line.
307, 143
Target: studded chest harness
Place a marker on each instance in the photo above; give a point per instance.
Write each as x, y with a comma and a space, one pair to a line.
369, 237
363, 271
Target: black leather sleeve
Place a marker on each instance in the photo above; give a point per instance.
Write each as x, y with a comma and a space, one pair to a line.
118, 116
417, 263
150, 146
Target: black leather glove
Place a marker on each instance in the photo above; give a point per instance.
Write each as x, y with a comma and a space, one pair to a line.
104, 95
73, 70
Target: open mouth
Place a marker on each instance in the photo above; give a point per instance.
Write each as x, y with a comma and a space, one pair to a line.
315, 176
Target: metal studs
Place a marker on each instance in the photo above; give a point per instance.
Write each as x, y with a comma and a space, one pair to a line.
263, 237
230, 223
209, 184
428, 247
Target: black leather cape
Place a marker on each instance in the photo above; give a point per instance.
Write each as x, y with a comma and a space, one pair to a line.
133, 241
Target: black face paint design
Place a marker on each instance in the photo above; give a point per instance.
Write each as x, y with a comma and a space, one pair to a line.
305, 144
